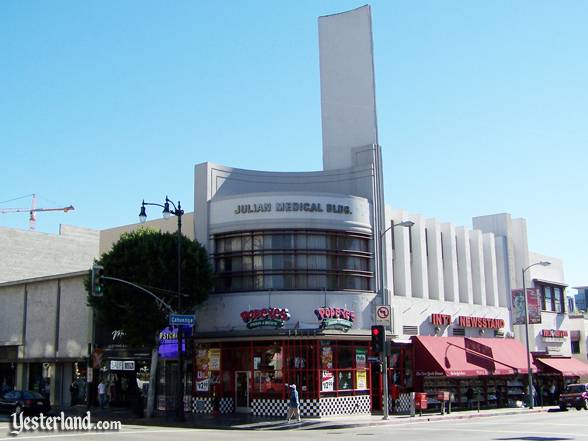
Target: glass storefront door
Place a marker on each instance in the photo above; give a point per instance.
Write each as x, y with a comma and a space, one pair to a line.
242, 391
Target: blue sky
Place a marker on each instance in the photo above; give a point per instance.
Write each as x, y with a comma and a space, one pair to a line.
482, 106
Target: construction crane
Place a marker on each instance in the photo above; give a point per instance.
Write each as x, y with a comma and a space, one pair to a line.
33, 211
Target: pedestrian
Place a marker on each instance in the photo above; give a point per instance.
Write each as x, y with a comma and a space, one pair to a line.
470, 397
552, 393
498, 396
294, 404
102, 393
540, 395
73, 391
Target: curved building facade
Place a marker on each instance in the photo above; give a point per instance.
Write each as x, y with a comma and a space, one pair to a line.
304, 263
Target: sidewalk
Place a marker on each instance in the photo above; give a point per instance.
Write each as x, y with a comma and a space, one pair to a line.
248, 422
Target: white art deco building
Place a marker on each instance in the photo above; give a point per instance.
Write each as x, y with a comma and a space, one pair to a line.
304, 260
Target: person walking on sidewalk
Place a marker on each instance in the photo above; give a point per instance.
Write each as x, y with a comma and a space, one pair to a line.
102, 393
470, 397
294, 404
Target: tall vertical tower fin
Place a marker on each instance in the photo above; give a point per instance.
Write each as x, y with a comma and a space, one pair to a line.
348, 102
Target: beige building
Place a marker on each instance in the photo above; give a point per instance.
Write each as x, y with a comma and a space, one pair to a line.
45, 328
109, 236
29, 254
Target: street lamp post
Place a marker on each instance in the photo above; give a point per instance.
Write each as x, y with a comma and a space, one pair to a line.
530, 373
178, 212
384, 355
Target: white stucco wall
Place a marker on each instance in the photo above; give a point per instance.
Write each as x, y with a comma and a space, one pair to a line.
222, 312
348, 102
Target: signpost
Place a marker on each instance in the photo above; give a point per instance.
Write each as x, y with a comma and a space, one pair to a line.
181, 320
384, 315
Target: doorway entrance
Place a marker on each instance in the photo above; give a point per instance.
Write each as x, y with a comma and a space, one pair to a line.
242, 379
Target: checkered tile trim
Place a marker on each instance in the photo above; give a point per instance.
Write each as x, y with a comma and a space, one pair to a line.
266, 407
315, 408
345, 405
203, 405
404, 404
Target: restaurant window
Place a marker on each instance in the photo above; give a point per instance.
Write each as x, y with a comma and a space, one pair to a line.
343, 368
300, 367
267, 370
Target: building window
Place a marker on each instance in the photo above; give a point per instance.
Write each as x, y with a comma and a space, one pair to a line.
557, 299
548, 298
575, 347
293, 260
552, 298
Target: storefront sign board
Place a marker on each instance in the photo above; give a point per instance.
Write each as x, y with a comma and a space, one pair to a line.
328, 382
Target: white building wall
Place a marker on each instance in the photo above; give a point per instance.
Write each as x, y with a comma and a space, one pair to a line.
521, 251
41, 321
221, 312
464, 266
553, 272
478, 276
348, 102
417, 312
490, 269
503, 271
435, 260
450, 274
401, 255
418, 267
502, 226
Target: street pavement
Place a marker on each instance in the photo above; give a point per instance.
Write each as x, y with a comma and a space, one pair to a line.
523, 426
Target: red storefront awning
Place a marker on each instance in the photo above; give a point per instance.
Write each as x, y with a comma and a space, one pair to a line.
568, 367
468, 357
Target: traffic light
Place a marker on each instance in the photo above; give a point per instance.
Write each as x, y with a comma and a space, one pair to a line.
97, 285
378, 338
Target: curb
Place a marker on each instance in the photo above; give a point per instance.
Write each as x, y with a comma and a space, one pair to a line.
417, 420
310, 424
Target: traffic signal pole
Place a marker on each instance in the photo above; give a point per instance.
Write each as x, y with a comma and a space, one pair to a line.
384, 358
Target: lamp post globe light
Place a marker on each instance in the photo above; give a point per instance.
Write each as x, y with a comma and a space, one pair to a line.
178, 212
530, 373
384, 353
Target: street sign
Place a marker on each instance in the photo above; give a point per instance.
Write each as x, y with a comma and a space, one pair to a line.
179, 319
89, 375
384, 315
373, 359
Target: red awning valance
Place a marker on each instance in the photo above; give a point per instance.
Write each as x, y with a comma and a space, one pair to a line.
566, 366
468, 357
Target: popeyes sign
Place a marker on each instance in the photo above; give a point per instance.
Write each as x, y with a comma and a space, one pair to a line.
265, 317
339, 319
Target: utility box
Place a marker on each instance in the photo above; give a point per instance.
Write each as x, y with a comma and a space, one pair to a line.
420, 401
443, 396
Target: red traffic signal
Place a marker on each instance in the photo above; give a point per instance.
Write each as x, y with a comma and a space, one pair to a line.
378, 338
